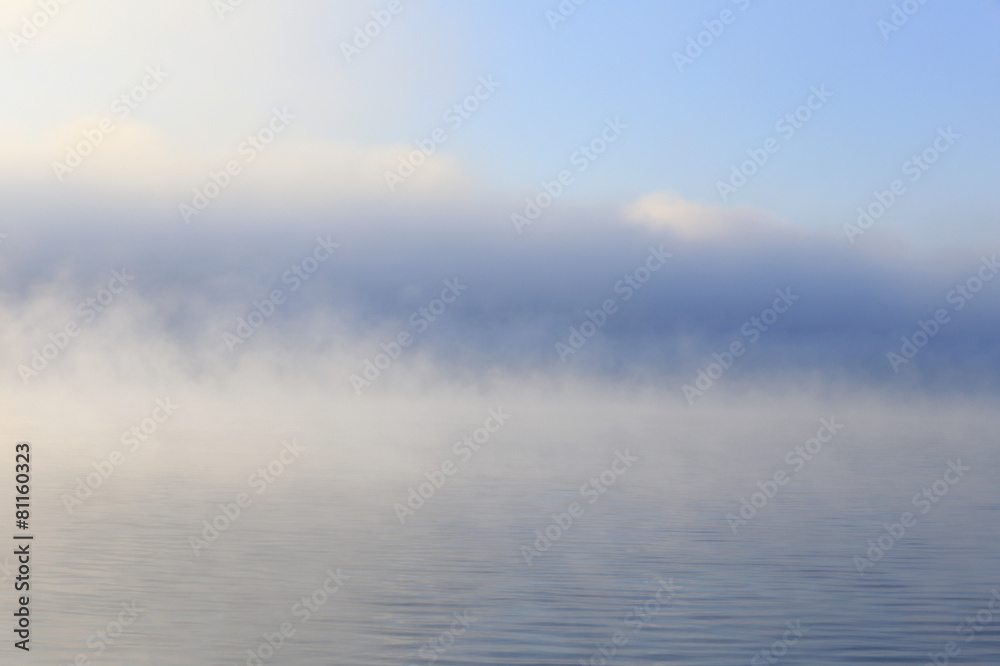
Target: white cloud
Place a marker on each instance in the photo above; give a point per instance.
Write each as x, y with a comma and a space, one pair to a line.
667, 210
298, 170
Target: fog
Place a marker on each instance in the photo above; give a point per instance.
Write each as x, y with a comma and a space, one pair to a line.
322, 368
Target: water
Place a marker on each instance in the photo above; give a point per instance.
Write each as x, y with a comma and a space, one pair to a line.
714, 597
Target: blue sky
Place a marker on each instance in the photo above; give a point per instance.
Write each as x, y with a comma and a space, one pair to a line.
686, 130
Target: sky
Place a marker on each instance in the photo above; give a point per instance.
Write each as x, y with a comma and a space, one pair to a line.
558, 83
619, 204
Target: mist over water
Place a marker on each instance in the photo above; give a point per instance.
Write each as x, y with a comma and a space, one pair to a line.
575, 333
426, 516
727, 595
512, 509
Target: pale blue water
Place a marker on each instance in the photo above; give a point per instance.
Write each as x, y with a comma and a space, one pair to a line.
460, 554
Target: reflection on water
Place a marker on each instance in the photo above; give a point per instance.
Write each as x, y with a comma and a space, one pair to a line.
646, 575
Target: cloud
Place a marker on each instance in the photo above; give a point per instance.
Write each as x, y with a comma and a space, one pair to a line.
666, 210
295, 172
526, 293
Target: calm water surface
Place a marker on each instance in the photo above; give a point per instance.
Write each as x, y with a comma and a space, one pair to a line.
460, 555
